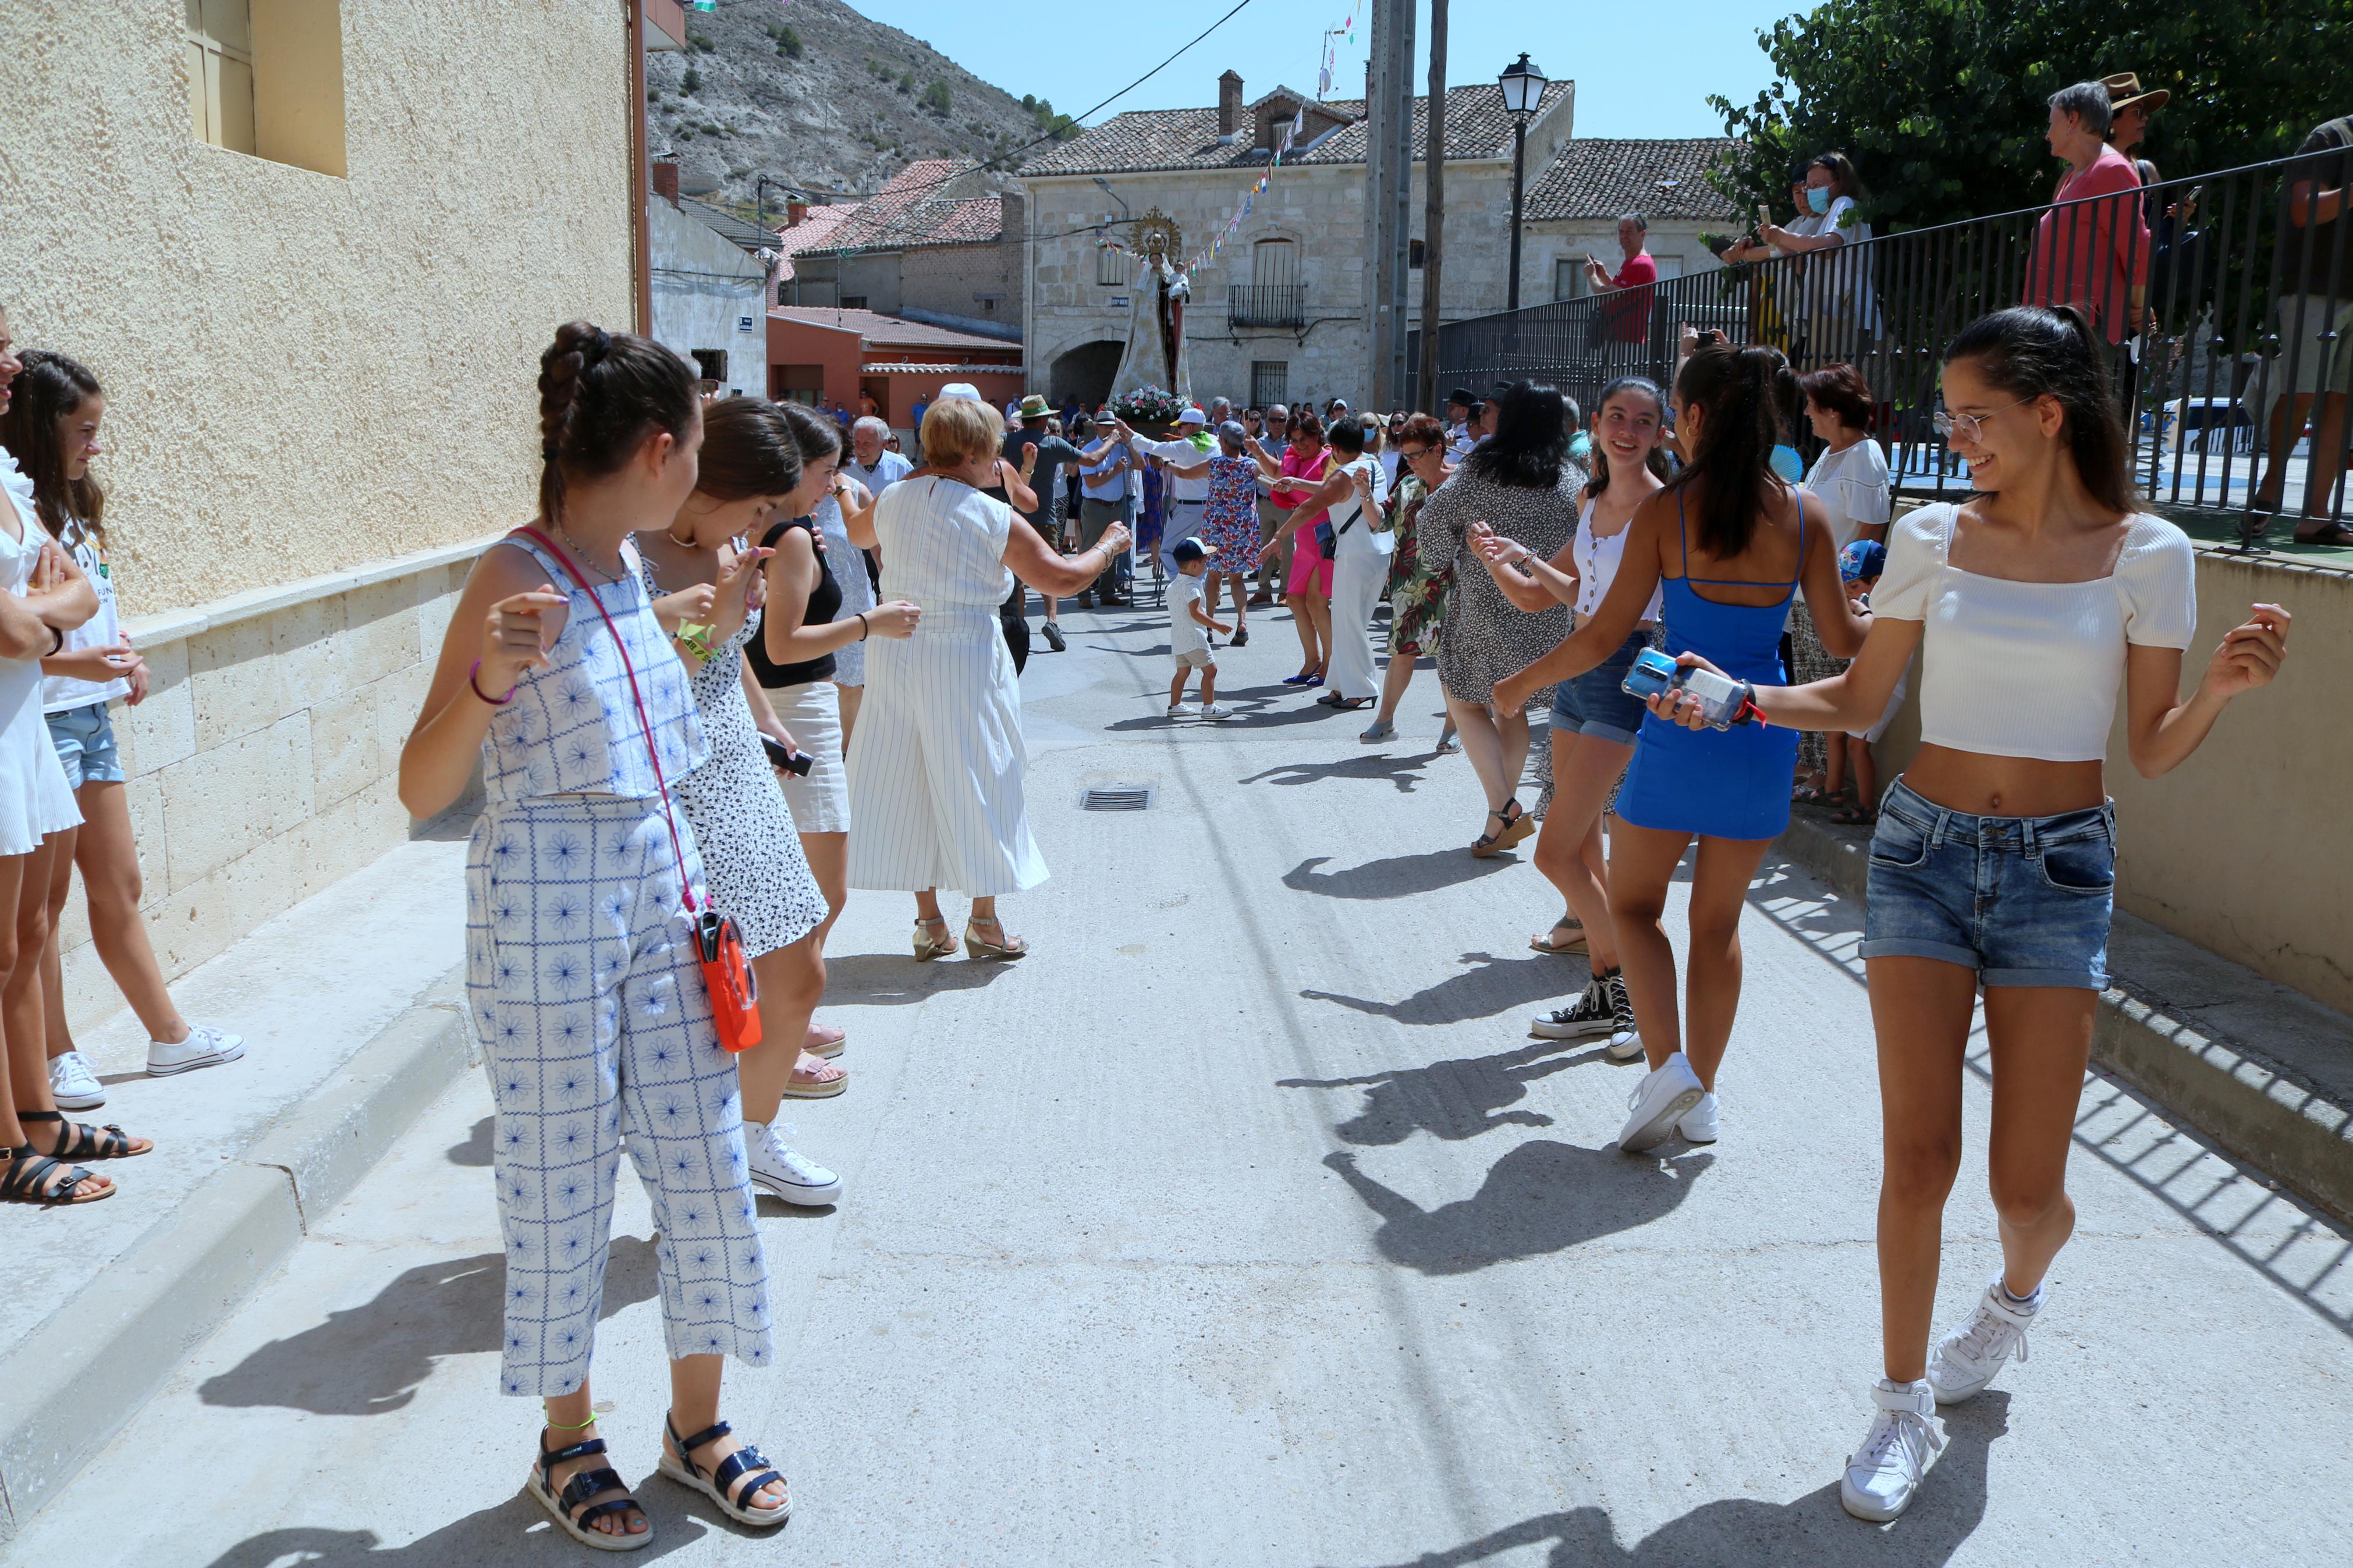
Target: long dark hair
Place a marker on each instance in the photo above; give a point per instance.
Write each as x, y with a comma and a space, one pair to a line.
600, 395
2030, 351
1744, 394
817, 438
1531, 440
47, 390
1598, 460
748, 449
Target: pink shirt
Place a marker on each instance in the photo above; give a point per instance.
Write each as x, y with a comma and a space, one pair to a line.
2093, 255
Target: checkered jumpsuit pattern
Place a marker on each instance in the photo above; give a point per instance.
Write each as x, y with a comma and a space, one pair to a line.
582, 976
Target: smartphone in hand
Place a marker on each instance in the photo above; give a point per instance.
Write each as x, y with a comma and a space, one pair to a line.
780, 755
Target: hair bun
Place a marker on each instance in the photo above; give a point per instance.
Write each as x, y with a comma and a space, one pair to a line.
599, 344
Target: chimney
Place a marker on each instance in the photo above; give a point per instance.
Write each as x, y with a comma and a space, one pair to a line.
1230, 104
1012, 219
795, 214
666, 181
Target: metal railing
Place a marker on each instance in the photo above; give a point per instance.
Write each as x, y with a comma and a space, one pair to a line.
2229, 317
1267, 305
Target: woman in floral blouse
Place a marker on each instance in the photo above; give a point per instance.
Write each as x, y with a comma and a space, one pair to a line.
1230, 520
1418, 593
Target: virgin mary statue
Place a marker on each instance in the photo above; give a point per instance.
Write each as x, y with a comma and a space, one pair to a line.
1155, 318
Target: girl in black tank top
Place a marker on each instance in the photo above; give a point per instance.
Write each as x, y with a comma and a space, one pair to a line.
824, 604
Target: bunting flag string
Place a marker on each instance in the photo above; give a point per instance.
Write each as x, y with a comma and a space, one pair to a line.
1283, 142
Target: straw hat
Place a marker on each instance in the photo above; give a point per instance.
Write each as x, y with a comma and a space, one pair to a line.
2125, 92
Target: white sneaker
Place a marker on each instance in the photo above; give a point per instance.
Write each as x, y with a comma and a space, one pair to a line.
1967, 1360
1216, 711
1883, 1475
1625, 1041
1183, 710
73, 1085
205, 1046
1588, 1015
1698, 1125
789, 1174
1657, 1103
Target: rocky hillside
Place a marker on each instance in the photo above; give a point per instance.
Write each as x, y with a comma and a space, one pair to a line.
813, 94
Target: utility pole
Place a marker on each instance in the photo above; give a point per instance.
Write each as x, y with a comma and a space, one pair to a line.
1426, 391
1388, 198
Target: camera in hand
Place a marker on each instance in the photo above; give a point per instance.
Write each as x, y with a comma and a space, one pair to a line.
797, 764
1723, 701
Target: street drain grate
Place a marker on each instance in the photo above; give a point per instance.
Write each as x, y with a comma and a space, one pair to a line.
1117, 797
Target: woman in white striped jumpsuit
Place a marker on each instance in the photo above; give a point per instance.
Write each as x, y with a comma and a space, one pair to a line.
936, 763
582, 966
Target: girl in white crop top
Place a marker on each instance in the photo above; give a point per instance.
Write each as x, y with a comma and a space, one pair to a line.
1993, 864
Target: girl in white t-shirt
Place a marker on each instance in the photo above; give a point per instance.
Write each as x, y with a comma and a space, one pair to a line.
54, 433
2033, 606
1849, 479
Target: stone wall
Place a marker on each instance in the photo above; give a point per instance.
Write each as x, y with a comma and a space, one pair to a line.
974, 283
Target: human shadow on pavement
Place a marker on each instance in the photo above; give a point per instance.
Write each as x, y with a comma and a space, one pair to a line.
1494, 985
1403, 772
1392, 877
371, 1359
516, 1531
1742, 1532
476, 1149
887, 979
1450, 1100
1541, 1197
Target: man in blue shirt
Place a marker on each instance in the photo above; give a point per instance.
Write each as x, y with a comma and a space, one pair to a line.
1103, 501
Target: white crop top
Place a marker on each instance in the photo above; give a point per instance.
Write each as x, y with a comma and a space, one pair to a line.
1597, 566
2032, 669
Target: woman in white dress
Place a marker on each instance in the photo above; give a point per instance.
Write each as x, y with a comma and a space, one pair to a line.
935, 768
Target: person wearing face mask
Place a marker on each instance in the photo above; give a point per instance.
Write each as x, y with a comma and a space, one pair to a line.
1837, 306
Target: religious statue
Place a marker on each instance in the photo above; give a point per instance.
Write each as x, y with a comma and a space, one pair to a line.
1155, 322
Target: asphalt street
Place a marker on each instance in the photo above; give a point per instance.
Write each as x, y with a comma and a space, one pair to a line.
1243, 1224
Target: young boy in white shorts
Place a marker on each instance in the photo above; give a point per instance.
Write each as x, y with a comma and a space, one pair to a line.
1186, 621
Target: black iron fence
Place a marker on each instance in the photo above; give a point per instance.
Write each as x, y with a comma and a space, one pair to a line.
2227, 301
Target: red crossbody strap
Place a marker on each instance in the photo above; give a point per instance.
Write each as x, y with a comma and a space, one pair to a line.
645, 724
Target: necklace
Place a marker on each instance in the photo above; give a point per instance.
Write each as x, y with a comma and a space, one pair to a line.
586, 559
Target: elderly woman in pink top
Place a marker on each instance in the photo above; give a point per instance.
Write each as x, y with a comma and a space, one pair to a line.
2094, 254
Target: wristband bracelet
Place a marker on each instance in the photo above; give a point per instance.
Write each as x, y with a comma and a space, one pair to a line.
865, 627
695, 637
472, 680
57, 642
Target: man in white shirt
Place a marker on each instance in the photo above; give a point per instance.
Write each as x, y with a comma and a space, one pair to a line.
1185, 498
871, 464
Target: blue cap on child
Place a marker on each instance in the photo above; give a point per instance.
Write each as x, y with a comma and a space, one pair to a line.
1187, 551
1863, 561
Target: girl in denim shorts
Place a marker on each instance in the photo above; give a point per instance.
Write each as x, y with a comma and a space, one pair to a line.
2032, 605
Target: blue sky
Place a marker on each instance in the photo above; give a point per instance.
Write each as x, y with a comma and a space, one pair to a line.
1640, 71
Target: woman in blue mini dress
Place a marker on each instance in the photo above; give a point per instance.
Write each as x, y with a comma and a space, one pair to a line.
1728, 544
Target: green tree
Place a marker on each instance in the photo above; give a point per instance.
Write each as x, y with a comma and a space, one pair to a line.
1940, 102
936, 98
907, 82
788, 43
691, 81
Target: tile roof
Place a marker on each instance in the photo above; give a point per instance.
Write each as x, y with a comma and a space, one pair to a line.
916, 208
894, 331
1602, 177
740, 231
1476, 126
814, 232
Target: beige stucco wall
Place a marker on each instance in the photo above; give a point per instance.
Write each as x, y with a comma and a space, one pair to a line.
310, 372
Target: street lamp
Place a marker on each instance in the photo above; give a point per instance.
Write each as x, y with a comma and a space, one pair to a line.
1523, 85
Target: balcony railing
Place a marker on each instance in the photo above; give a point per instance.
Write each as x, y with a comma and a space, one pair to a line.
1267, 305
2246, 312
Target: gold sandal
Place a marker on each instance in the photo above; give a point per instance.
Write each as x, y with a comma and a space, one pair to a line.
978, 947
926, 948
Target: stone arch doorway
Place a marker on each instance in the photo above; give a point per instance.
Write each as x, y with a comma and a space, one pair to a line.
1085, 372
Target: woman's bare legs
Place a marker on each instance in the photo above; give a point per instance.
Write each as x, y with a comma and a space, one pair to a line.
1642, 863
694, 1407
1496, 743
1394, 678
1312, 654
23, 1016
106, 852
791, 980
1319, 609
572, 1418
851, 696
1568, 843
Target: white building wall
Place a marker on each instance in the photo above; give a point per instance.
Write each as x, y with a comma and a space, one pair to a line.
705, 289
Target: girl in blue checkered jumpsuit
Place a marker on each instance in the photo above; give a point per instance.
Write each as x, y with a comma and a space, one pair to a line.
581, 961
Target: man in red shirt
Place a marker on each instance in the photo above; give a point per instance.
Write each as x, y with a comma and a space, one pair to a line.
2092, 254
1628, 319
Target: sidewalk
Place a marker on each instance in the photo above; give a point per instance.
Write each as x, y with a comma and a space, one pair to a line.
2264, 1072
349, 1007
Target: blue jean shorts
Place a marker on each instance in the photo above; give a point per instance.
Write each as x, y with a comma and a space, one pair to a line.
2024, 900
84, 738
1597, 704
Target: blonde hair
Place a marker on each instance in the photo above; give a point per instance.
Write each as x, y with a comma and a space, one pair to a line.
960, 430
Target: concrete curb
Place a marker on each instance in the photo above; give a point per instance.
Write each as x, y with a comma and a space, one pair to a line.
71, 1385
2258, 1108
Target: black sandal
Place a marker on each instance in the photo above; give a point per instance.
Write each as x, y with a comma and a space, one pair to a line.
573, 1507
26, 1181
737, 1475
81, 1141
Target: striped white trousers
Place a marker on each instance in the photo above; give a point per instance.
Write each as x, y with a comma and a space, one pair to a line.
936, 763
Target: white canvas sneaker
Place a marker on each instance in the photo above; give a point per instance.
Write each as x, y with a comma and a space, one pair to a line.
1883, 1475
1657, 1103
785, 1173
1183, 710
73, 1085
205, 1046
1698, 1125
1967, 1360
1216, 711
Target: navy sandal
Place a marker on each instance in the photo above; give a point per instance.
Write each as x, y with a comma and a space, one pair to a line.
26, 1180
575, 1508
81, 1141
739, 1475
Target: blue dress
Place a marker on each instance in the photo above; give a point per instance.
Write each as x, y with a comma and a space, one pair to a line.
1725, 784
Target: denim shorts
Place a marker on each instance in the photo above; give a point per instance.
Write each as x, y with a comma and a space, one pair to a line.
1595, 703
84, 738
2024, 900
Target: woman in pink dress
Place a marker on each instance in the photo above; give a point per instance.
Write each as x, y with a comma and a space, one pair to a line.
1309, 590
